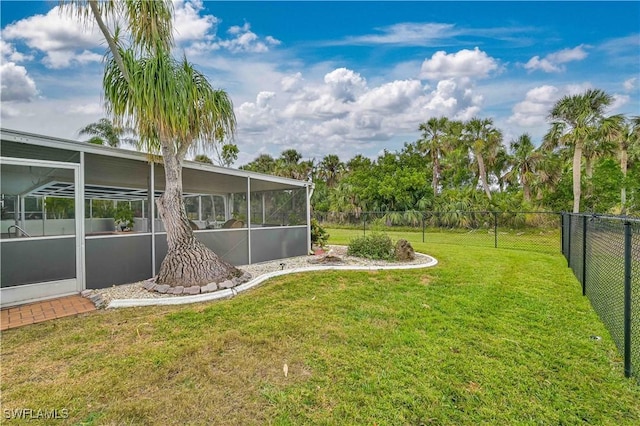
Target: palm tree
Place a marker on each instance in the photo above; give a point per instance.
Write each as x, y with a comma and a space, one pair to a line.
330, 169
263, 163
525, 160
431, 144
484, 141
575, 121
104, 132
628, 139
174, 110
288, 164
202, 158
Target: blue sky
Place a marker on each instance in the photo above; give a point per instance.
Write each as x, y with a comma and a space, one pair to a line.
342, 78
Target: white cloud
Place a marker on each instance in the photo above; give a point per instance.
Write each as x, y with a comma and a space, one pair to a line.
534, 109
393, 97
291, 82
630, 84
407, 33
619, 101
464, 63
61, 37
16, 84
92, 108
245, 40
339, 111
188, 25
553, 62
9, 53
345, 84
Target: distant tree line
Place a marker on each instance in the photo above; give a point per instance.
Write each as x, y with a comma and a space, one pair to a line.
586, 162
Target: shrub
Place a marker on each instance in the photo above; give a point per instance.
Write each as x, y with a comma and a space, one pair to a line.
319, 235
374, 246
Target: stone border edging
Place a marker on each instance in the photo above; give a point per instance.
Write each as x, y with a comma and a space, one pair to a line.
228, 293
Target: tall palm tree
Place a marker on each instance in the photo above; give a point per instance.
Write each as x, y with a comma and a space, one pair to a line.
104, 132
431, 144
575, 121
174, 110
628, 138
483, 140
525, 160
330, 169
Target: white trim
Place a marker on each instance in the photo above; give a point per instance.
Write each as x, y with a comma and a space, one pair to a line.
38, 291
50, 237
152, 217
225, 294
120, 235
279, 227
78, 178
308, 220
20, 294
249, 220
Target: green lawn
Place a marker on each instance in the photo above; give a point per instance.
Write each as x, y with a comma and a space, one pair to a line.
489, 336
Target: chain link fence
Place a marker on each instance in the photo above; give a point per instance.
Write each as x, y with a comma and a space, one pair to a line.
604, 254
538, 231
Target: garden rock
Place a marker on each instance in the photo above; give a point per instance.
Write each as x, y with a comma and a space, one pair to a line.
192, 290
162, 288
404, 251
209, 288
226, 284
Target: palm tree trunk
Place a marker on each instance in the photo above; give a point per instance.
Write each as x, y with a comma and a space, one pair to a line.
577, 191
188, 262
623, 191
527, 192
483, 174
436, 174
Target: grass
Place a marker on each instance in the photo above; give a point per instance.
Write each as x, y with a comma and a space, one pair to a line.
489, 336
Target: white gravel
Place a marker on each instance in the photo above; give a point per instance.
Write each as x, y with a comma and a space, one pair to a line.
265, 269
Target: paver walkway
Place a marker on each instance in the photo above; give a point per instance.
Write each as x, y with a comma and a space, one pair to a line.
32, 313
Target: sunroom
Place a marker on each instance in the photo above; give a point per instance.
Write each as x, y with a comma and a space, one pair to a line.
48, 183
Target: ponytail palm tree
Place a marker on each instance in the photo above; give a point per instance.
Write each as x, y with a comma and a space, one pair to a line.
576, 121
174, 111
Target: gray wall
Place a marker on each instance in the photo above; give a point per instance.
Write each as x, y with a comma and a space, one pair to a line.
278, 243
117, 260
27, 261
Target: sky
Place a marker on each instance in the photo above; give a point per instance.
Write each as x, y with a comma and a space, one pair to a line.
341, 78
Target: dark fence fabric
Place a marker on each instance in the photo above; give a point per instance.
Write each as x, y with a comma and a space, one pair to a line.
604, 254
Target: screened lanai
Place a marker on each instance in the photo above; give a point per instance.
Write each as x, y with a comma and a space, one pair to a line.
48, 183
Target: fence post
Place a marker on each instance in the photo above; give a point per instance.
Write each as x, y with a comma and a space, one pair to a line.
627, 299
570, 215
423, 214
495, 229
562, 236
584, 255
364, 224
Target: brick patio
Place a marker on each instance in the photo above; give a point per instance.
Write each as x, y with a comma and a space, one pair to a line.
36, 312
